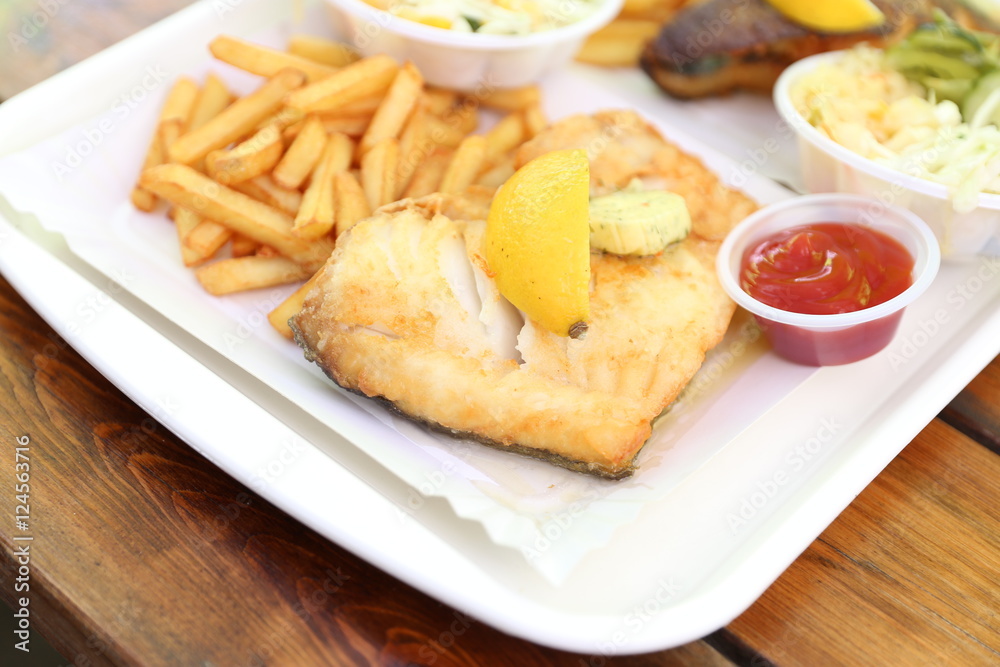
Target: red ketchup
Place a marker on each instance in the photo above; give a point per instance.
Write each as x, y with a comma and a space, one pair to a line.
822, 269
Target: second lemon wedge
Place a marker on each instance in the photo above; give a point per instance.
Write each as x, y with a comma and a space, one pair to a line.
831, 15
538, 240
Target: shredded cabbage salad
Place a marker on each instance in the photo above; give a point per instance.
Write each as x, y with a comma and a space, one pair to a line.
495, 17
866, 106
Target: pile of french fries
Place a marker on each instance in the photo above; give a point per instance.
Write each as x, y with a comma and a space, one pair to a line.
620, 43
260, 186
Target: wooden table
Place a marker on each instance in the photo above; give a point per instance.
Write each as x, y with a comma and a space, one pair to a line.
124, 572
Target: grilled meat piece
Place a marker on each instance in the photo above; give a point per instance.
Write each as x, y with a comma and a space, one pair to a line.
719, 46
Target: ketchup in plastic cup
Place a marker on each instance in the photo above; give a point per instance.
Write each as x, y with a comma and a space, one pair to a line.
818, 337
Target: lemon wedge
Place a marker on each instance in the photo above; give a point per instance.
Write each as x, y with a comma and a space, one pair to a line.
538, 241
831, 15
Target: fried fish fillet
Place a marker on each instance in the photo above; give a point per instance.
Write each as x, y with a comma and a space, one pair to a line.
406, 311
718, 46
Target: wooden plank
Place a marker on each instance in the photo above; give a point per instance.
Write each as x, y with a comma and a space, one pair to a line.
907, 575
976, 410
144, 552
43, 38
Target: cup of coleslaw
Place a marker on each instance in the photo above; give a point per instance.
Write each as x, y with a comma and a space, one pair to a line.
457, 57
965, 223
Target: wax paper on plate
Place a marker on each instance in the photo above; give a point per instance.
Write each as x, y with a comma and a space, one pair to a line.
78, 184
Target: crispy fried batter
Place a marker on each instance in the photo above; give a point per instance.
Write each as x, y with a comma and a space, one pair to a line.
406, 311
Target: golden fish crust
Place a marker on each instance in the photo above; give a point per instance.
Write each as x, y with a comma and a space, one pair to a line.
405, 311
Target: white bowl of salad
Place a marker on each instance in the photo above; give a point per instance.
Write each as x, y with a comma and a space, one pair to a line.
930, 145
475, 44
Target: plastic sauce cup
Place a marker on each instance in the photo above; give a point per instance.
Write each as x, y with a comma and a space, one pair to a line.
830, 340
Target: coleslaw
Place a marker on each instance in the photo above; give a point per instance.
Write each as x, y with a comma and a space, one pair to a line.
862, 103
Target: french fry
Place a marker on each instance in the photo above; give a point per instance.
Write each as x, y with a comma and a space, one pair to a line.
505, 136
414, 146
177, 111
245, 273
465, 165
339, 154
498, 174
439, 100
237, 120
640, 7
378, 172
206, 238
366, 106
250, 159
350, 204
183, 186
327, 139
465, 117
427, 178
156, 153
659, 11
619, 44
354, 82
300, 158
444, 133
186, 221
395, 108
243, 246
534, 121
144, 200
266, 251
265, 190
316, 216
323, 51
510, 99
283, 118
352, 126
291, 306
261, 60
213, 98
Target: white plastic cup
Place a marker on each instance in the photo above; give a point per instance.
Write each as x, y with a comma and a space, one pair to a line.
829, 340
471, 62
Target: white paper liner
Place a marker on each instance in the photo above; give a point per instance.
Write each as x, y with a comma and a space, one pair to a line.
78, 185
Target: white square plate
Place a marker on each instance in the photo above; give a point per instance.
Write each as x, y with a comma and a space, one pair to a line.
688, 562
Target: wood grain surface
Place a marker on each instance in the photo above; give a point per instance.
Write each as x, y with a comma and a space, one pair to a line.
908, 573
39, 38
146, 553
